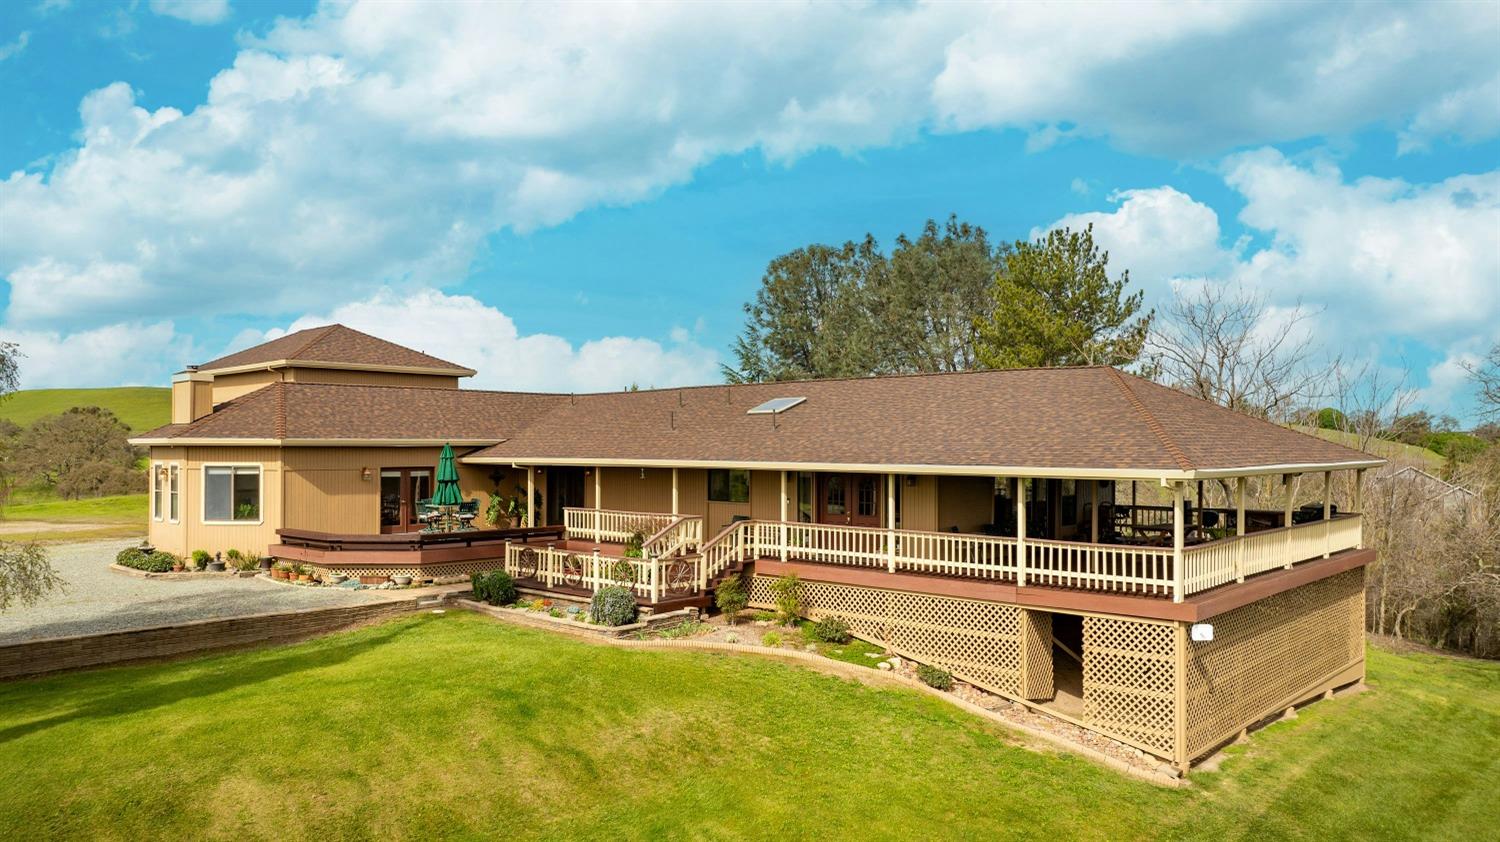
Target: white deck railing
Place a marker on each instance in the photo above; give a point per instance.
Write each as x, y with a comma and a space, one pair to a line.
611, 525
679, 537
651, 579
1119, 568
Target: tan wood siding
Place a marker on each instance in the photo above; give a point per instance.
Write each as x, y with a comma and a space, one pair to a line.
765, 495
300, 374
627, 490
965, 502
230, 386
919, 504
326, 490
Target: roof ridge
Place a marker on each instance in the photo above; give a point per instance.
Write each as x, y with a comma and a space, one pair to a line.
280, 422
1151, 421
322, 333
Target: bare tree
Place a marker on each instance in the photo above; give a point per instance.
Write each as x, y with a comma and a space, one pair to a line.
1227, 345
1486, 376
1373, 402
26, 575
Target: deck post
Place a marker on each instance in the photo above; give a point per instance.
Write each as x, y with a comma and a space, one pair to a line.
656, 577
1179, 575
782, 528
890, 523
598, 499
1359, 504
1020, 532
674, 492
1286, 517
595, 579
1239, 529
531, 497
1094, 507
1327, 512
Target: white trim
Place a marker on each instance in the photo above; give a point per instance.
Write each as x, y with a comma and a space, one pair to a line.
457, 371
174, 498
152, 490
204, 441
1165, 475
260, 491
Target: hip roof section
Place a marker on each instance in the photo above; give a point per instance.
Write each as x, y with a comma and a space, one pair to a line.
1065, 419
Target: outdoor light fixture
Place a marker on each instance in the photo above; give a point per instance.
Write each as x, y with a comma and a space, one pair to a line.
364, 474
1203, 632
643, 473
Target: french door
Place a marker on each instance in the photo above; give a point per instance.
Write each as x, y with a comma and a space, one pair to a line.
849, 499
401, 489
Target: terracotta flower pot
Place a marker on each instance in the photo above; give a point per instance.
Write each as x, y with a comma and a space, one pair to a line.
278, 574
304, 577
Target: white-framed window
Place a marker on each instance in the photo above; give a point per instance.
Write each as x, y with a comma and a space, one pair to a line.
158, 488
232, 493
174, 492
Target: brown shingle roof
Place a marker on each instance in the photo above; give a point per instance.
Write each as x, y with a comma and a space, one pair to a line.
334, 344
1068, 418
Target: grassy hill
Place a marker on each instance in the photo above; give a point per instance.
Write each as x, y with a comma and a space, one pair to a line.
1397, 451
141, 407
486, 730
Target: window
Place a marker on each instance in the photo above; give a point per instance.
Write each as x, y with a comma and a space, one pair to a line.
729, 486
231, 493
158, 479
174, 482
1067, 502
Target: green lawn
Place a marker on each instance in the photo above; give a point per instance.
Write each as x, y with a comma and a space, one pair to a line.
1427, 460
456, 725
107, 517
140, 407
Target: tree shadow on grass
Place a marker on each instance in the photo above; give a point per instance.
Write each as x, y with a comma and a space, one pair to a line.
235, 672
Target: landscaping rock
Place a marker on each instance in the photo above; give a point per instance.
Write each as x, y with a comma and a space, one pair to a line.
885, 665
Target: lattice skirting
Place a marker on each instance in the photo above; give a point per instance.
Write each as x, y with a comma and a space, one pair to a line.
426, 571
1130, 681
1272, 654
984, 643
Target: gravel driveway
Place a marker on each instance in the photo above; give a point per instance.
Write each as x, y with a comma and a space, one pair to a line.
98, 600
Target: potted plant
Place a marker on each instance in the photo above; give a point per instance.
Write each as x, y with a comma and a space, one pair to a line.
280, 571
403, 581
303, 574
335, 578
177, 565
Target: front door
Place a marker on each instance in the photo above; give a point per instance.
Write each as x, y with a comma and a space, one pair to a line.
849, 499
564, 491
401, 489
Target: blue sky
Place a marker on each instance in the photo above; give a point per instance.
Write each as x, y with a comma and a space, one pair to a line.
583, 197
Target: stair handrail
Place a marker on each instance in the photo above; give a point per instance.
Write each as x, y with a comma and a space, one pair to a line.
682, 532
721, 550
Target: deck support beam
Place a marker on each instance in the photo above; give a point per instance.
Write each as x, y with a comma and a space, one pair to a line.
1286, 515
1239, 528
1020, 532
674, 493
1178, 532
1094, 507
890, 523
530, 496
783, 516
1327, 512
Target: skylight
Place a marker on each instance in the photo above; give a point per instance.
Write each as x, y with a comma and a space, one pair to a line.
774, 406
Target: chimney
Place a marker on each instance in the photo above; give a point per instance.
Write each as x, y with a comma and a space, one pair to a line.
192, 396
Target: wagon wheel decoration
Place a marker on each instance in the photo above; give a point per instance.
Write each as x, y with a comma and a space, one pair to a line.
573, 571
623, 572
526, 564
680, 576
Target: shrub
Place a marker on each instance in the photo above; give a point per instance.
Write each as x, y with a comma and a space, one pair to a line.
731, 597
787, 591
934, 677
831, 630
156, 561
496, 587
770, 639
201, 559
612, 606
233, 555
248, 561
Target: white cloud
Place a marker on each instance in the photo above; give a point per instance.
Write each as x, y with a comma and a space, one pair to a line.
380, 144
193, 11
1379, 258
16, 47
1157, 234
464, 330
126, 354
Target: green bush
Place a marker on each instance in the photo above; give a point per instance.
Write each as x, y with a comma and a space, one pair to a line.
831, 630
233, 555
731, 597
612, 606
787, 592
934, 677
496, 587
201, 559
770, 639
156, 561
248, 561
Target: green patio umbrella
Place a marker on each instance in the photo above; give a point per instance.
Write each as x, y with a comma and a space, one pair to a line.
446, 493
